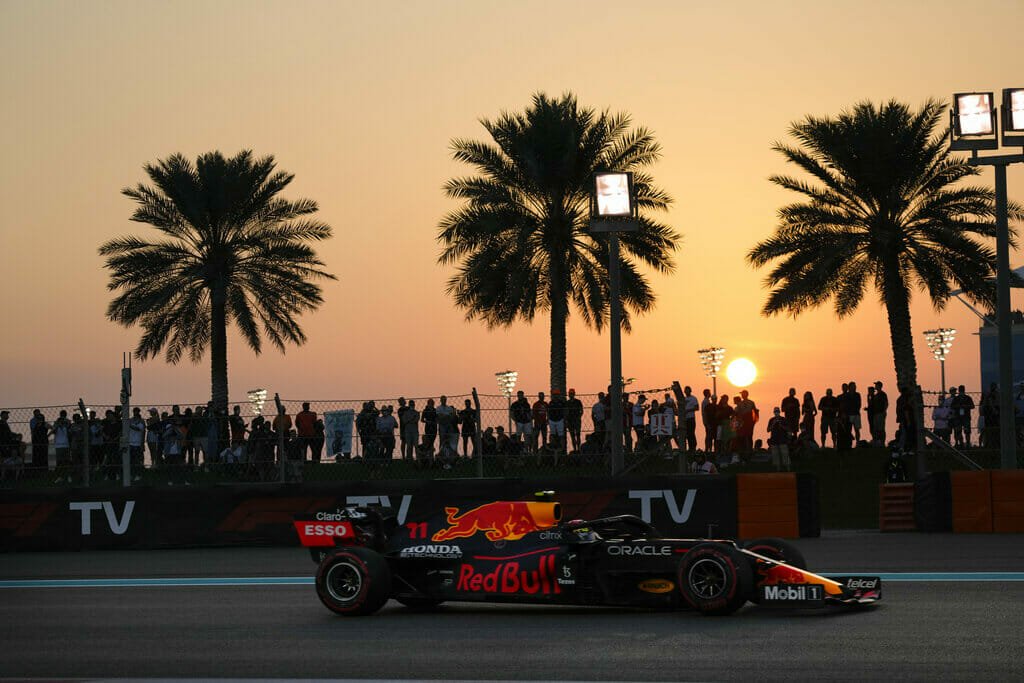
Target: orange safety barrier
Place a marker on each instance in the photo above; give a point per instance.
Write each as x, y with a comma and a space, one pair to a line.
1008, 501
972, 502
896, 507
767, 505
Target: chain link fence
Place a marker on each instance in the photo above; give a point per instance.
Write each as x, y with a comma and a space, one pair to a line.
357, 439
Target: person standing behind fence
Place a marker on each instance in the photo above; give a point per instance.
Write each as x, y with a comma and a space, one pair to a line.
522, 416
410, 430
61, 432
429, 419
574, 419
790, 408
852, 407
707, 415
153, 432
880, 414
386, 426
540, 422
447, 429
38, 431
962, 406
598, 416
400, 414
779, 435
305, 427
808, 411
136, 437
556, 422
688, 417
467, 418
828, 406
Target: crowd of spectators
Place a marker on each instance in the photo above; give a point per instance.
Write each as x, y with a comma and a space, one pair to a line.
439, 434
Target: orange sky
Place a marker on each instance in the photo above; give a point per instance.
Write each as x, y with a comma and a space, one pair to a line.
360, 101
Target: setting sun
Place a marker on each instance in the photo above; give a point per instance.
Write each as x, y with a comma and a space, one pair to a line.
741, 372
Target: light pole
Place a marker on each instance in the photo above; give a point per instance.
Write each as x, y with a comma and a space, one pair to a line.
507, 382
613, 210
940, 341
974, 126
711, 360
257, 397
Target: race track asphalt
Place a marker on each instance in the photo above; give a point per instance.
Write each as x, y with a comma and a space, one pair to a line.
950, 630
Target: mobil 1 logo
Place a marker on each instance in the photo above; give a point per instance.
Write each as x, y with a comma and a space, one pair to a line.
793, 595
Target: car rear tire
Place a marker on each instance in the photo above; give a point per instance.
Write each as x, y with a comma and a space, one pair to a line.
354, 582
715, 579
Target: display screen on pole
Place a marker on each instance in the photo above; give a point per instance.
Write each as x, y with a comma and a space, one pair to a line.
612, 191
1014, 101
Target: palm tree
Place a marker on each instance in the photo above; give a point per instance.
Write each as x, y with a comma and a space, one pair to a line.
233, 252
521, 238
886, 210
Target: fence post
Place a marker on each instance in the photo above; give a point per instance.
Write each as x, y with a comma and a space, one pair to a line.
477, 439
86, 438
280, 435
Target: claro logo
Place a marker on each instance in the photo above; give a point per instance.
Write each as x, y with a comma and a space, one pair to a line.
117, 526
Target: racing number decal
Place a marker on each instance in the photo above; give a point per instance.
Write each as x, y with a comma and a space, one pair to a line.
417, 529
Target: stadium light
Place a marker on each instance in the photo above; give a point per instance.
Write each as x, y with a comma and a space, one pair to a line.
940, 341
257, 397
507, 382
711, 360
975, 126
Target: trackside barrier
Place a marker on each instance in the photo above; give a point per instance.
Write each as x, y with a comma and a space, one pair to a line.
1008, 501
972, 501
149, 517
766, 505
896, 507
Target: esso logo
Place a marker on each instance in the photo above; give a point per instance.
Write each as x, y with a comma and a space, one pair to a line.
326, 529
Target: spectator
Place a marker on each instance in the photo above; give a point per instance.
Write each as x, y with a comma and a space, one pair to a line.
95, 440
701, 465
869, 408
748, 415
467, 417
285, 421
522, 416
779, 435
852, 407
556, 422
723, 413
386, 426
39, 431
639, 413
907, 422
688, 409
154, 430
194, 436
400, 413
502, 445
962, 406
111, 436
366, 427
12, 451
448, 431
318, 439
6, 435
791, 410
488, 442
236, 425
429, 419
136, 439
540, 421
574, 419
61, 432
880, 414
668, 409
305, 428
707, 414
173, 457
78, 435
410, 431
627, 421
263, 453
599, 416
829, 409
940, 419
808, 411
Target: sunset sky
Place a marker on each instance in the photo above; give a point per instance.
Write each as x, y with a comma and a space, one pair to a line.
361, 100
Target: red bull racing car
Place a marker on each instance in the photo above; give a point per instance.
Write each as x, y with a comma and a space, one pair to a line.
517, 551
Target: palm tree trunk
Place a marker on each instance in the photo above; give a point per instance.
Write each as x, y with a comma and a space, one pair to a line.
897, 306
559, 315
219, 348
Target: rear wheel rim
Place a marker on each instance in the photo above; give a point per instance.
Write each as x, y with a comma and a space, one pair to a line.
344, 581
707, 578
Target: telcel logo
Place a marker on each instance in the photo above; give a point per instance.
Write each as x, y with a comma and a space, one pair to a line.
656, 586
862, 583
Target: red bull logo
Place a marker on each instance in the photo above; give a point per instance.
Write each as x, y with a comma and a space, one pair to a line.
510, 577
502, 520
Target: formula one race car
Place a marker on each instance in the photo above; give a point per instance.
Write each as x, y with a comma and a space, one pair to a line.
515, 551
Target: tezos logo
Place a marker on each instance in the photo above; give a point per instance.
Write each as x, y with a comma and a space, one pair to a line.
446, 552
862, 583
649, 550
